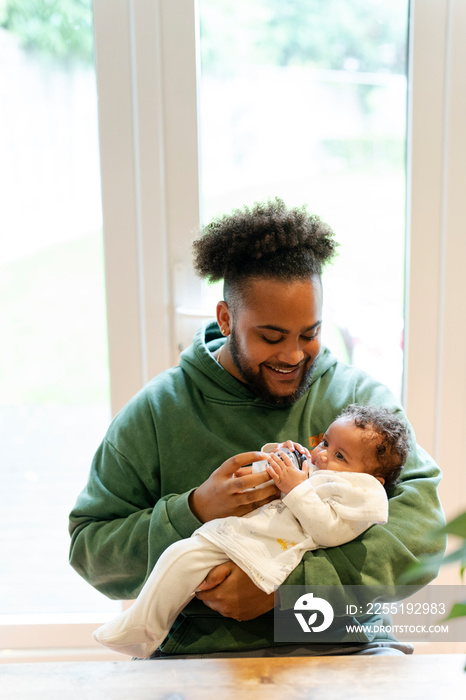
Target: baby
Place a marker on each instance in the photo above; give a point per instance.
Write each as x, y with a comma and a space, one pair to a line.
337, 495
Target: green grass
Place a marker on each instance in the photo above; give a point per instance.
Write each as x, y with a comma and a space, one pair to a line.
54, 337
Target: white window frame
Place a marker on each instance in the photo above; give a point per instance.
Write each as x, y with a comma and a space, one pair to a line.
146, 62
435, 354
146, 59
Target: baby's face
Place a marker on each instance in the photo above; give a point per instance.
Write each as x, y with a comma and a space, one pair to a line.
346, 448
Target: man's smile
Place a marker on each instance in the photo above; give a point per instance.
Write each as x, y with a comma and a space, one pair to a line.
288, 372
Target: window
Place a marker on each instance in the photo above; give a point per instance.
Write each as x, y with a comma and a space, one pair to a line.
54, 381
307, 101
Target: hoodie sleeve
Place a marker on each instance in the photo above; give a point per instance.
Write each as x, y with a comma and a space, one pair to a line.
381, 555
120, 525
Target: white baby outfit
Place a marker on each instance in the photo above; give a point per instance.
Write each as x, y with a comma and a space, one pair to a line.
327, 510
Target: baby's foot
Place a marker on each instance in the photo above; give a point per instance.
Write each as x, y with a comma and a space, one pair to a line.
119, 634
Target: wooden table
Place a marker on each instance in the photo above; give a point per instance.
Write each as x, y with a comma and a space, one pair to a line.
327, 678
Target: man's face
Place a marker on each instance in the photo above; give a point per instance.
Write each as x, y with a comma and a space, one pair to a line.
274, 338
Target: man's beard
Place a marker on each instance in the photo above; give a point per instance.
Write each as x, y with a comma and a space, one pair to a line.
256, 382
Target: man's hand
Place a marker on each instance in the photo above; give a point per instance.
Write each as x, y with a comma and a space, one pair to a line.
232, 489
229, 591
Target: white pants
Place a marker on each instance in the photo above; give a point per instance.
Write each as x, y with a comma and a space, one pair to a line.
141, 629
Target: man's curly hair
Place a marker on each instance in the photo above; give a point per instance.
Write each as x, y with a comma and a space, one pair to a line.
394, 445
266, 240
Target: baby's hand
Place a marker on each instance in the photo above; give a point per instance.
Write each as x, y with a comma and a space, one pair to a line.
295, 446
284, 474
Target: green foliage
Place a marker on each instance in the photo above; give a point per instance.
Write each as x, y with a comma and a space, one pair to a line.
362, 35
456, 527
61, 29
458, 610
368, 36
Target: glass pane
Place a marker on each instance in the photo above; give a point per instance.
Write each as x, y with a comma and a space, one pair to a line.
54, 384
306, 100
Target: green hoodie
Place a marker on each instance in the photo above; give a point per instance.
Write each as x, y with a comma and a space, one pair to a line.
177, 430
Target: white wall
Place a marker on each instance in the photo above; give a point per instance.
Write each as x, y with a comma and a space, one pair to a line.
436, 311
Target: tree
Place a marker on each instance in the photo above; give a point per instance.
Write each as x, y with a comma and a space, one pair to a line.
363, 35
58, 28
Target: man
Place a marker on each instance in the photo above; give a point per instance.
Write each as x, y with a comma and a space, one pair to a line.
258, 375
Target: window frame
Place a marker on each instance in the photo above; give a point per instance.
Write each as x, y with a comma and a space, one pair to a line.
149, 163
435, 319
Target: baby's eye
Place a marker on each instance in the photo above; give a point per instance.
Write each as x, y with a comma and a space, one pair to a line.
324, 443
338, 455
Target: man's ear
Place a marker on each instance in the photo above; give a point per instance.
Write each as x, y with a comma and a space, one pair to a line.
224, 318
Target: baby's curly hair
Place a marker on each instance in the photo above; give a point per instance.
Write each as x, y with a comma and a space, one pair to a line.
266, 240
392, 450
